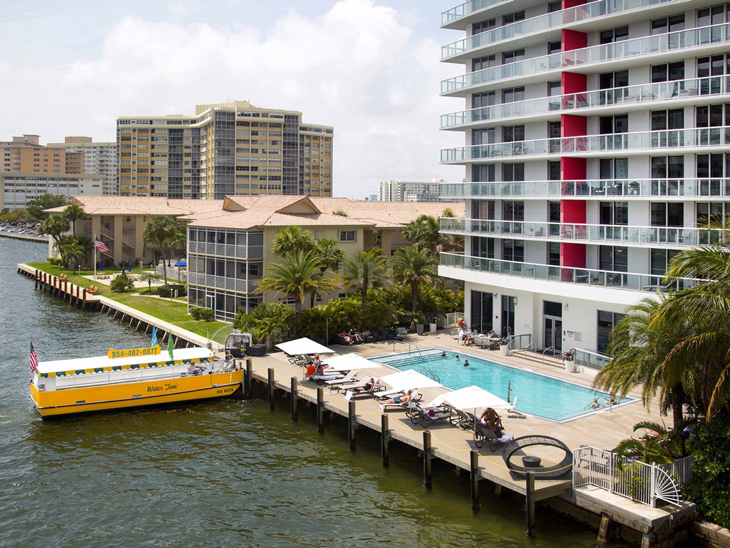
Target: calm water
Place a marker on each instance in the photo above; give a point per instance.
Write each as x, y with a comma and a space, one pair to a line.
536, 394
227, 473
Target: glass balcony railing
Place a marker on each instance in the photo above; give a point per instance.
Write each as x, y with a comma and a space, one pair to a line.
584, 233
623, 96
541, 22
624, 142
467, 8
562, 274
635, 188
647, 45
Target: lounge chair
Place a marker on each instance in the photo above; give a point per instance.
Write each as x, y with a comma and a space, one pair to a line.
486, 436
349, 378
462, 419
426, 416
300, 360
415, 398
369, 338
393, 335
377, 388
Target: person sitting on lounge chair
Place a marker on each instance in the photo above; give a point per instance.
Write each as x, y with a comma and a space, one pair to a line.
355, 337
345, 338
319, 375
491, 419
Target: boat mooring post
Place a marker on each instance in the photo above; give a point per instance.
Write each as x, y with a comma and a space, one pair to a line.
248, 388
351, 424
474, 479
384, 439
320, 409
270, 388
293, 392
36, 279
530, 503
427, 459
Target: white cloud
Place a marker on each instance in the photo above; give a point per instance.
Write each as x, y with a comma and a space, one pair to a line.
355, 67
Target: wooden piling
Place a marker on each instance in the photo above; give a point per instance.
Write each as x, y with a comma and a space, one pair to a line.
293, 393
320, 409
248, 386
603, 530
384, 440
351, 424
270, 387
474, 479
530, 503
427, 459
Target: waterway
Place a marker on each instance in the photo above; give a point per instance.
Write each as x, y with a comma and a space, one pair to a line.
223, 473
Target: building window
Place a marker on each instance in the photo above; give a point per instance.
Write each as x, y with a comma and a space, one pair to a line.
614, 35
482, 26
606, 322
481, 311
669, 72
348, 235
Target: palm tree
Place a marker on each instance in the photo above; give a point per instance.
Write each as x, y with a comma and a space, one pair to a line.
75, 253
657, 445
368, 269
291, 239
708, 304
266, 322
640, 344
423, 231
295, 276
55, 226
162, 232
147, 277
415, 266
330, 255
74, 213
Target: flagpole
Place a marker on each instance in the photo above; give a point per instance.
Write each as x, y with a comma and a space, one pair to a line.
95, 256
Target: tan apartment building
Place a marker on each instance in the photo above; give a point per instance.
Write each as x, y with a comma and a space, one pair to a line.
85, 156
229, 249
119, 222
224, 149
26, 155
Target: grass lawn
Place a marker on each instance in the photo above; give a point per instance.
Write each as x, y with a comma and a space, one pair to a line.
174, 312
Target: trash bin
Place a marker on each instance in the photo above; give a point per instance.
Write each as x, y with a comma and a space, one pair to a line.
569, 368
434, 326
419, 329
504, 350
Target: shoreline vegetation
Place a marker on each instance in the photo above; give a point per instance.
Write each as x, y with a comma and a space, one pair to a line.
171, 311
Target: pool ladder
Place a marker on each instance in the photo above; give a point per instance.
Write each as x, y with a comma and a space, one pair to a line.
431, 374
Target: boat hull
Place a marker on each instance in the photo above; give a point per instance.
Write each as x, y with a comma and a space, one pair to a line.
69, 401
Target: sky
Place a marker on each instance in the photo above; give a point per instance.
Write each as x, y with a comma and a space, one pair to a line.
369, 68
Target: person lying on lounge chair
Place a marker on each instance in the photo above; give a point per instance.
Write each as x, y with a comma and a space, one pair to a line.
399, 400
367, 387
319, 375
492, 420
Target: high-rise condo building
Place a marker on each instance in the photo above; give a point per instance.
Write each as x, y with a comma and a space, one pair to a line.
405, 191
83, 155
224, 149
596, 149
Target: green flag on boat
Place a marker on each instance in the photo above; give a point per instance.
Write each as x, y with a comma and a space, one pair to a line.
170, 345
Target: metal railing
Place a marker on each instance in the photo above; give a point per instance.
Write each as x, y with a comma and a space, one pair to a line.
636, 47
522, 342
690, 88
600, 188
673, 139
579, 276
601, 234
539, 23
586, 358
467, 8
452, 318
633, 479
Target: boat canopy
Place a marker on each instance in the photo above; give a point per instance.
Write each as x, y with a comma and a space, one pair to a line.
104, 364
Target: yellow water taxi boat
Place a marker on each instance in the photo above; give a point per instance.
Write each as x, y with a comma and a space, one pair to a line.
131, 378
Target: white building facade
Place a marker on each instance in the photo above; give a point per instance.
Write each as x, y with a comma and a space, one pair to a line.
596, 149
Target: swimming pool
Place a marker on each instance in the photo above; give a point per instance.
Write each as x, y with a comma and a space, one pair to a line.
536, 394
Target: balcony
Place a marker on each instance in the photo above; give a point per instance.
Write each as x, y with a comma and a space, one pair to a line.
560, 274
544, 22
599, 189
636, 49
691, 90
675, 140
584, 233
467, 8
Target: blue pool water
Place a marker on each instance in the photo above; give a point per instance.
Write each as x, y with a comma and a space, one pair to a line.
536, 394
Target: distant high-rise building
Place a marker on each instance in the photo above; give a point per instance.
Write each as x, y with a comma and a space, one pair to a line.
402, 191
85, 156
29, 169
224, 149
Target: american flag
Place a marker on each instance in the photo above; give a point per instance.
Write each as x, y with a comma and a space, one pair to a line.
100, 245
33, 359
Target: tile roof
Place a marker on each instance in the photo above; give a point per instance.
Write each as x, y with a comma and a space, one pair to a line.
139, 205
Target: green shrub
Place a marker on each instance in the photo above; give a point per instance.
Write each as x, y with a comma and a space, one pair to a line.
121, 283
199, 313
710, 486
54, 261
147, 291
166, 290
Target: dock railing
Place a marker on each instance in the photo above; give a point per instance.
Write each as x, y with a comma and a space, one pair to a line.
633, 479
586, 358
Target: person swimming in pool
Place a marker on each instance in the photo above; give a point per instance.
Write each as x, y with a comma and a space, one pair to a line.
466, 363
457, 357
595, 404
443, 354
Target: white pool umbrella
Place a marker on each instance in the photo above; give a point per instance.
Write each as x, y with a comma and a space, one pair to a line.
303, 346
349, 362
407, 379
474, 397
